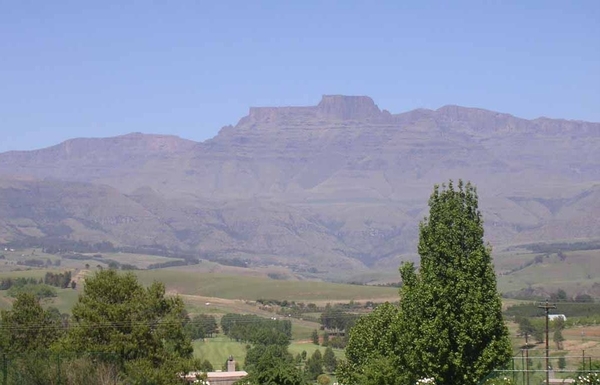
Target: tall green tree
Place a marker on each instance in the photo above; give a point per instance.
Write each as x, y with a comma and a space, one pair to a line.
373, 349
28, 327
329, 360
315, 337
314, 365
271, 365
533, 332
141, 326
451, 326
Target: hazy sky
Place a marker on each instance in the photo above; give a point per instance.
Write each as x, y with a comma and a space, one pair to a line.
105, 68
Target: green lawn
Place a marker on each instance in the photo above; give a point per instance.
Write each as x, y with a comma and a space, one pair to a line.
218, 349
64, 300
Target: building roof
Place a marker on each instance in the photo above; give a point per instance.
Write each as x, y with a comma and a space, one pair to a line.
215, 375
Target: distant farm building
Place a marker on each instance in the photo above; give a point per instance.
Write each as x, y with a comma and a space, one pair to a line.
229, 377
554, 317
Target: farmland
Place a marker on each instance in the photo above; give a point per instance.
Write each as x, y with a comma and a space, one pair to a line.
214, 289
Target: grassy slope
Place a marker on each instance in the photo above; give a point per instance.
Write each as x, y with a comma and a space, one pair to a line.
575, 274
253, 288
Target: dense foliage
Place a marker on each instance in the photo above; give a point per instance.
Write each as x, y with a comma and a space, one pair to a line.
120, 333
256, 330
333, 317
62, 280
141, 325
268, 360
372, 351
28, 327
202, 326
449, 324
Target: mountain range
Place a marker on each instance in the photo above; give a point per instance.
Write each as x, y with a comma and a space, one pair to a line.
339, 185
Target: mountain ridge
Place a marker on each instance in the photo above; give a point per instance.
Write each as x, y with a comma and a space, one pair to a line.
342, 183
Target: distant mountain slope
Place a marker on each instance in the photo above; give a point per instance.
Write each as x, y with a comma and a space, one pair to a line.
341, 183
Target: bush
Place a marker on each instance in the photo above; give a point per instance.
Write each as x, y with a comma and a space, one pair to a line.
588, 379
323, 379
38, 290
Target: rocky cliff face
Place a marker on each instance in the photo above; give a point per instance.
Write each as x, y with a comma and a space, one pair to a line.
341, 182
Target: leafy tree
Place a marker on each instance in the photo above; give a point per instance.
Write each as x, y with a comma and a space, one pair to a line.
314, 365
256, 330
201, 326
28, 327
277, 373
272, 365
559, 296
527, 327
558, 339
262, 354
115, 314
371, 349
325, 339
589, 366
315, 337
323, 379
451, 326
206, 366
59, 279
38, 290
381, 371
558, 323
562, 362
329, 360
335, 318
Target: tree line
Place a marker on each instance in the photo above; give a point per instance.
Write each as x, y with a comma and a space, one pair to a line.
62, 280
253, 329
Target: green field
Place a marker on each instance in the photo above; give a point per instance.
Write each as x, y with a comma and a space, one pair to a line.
575, 274
209, 288
253, 288
218, 349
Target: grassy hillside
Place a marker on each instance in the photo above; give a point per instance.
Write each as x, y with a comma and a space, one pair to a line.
253, 288
574, 272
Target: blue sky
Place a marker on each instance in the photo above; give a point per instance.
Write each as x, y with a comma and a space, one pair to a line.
82, 69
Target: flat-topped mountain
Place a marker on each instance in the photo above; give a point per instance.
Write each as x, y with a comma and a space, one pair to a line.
340, 183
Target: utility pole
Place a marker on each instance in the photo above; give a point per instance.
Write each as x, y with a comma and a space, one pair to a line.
526, 358
546, 306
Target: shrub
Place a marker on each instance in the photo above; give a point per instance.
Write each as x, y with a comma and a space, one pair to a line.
588, 379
